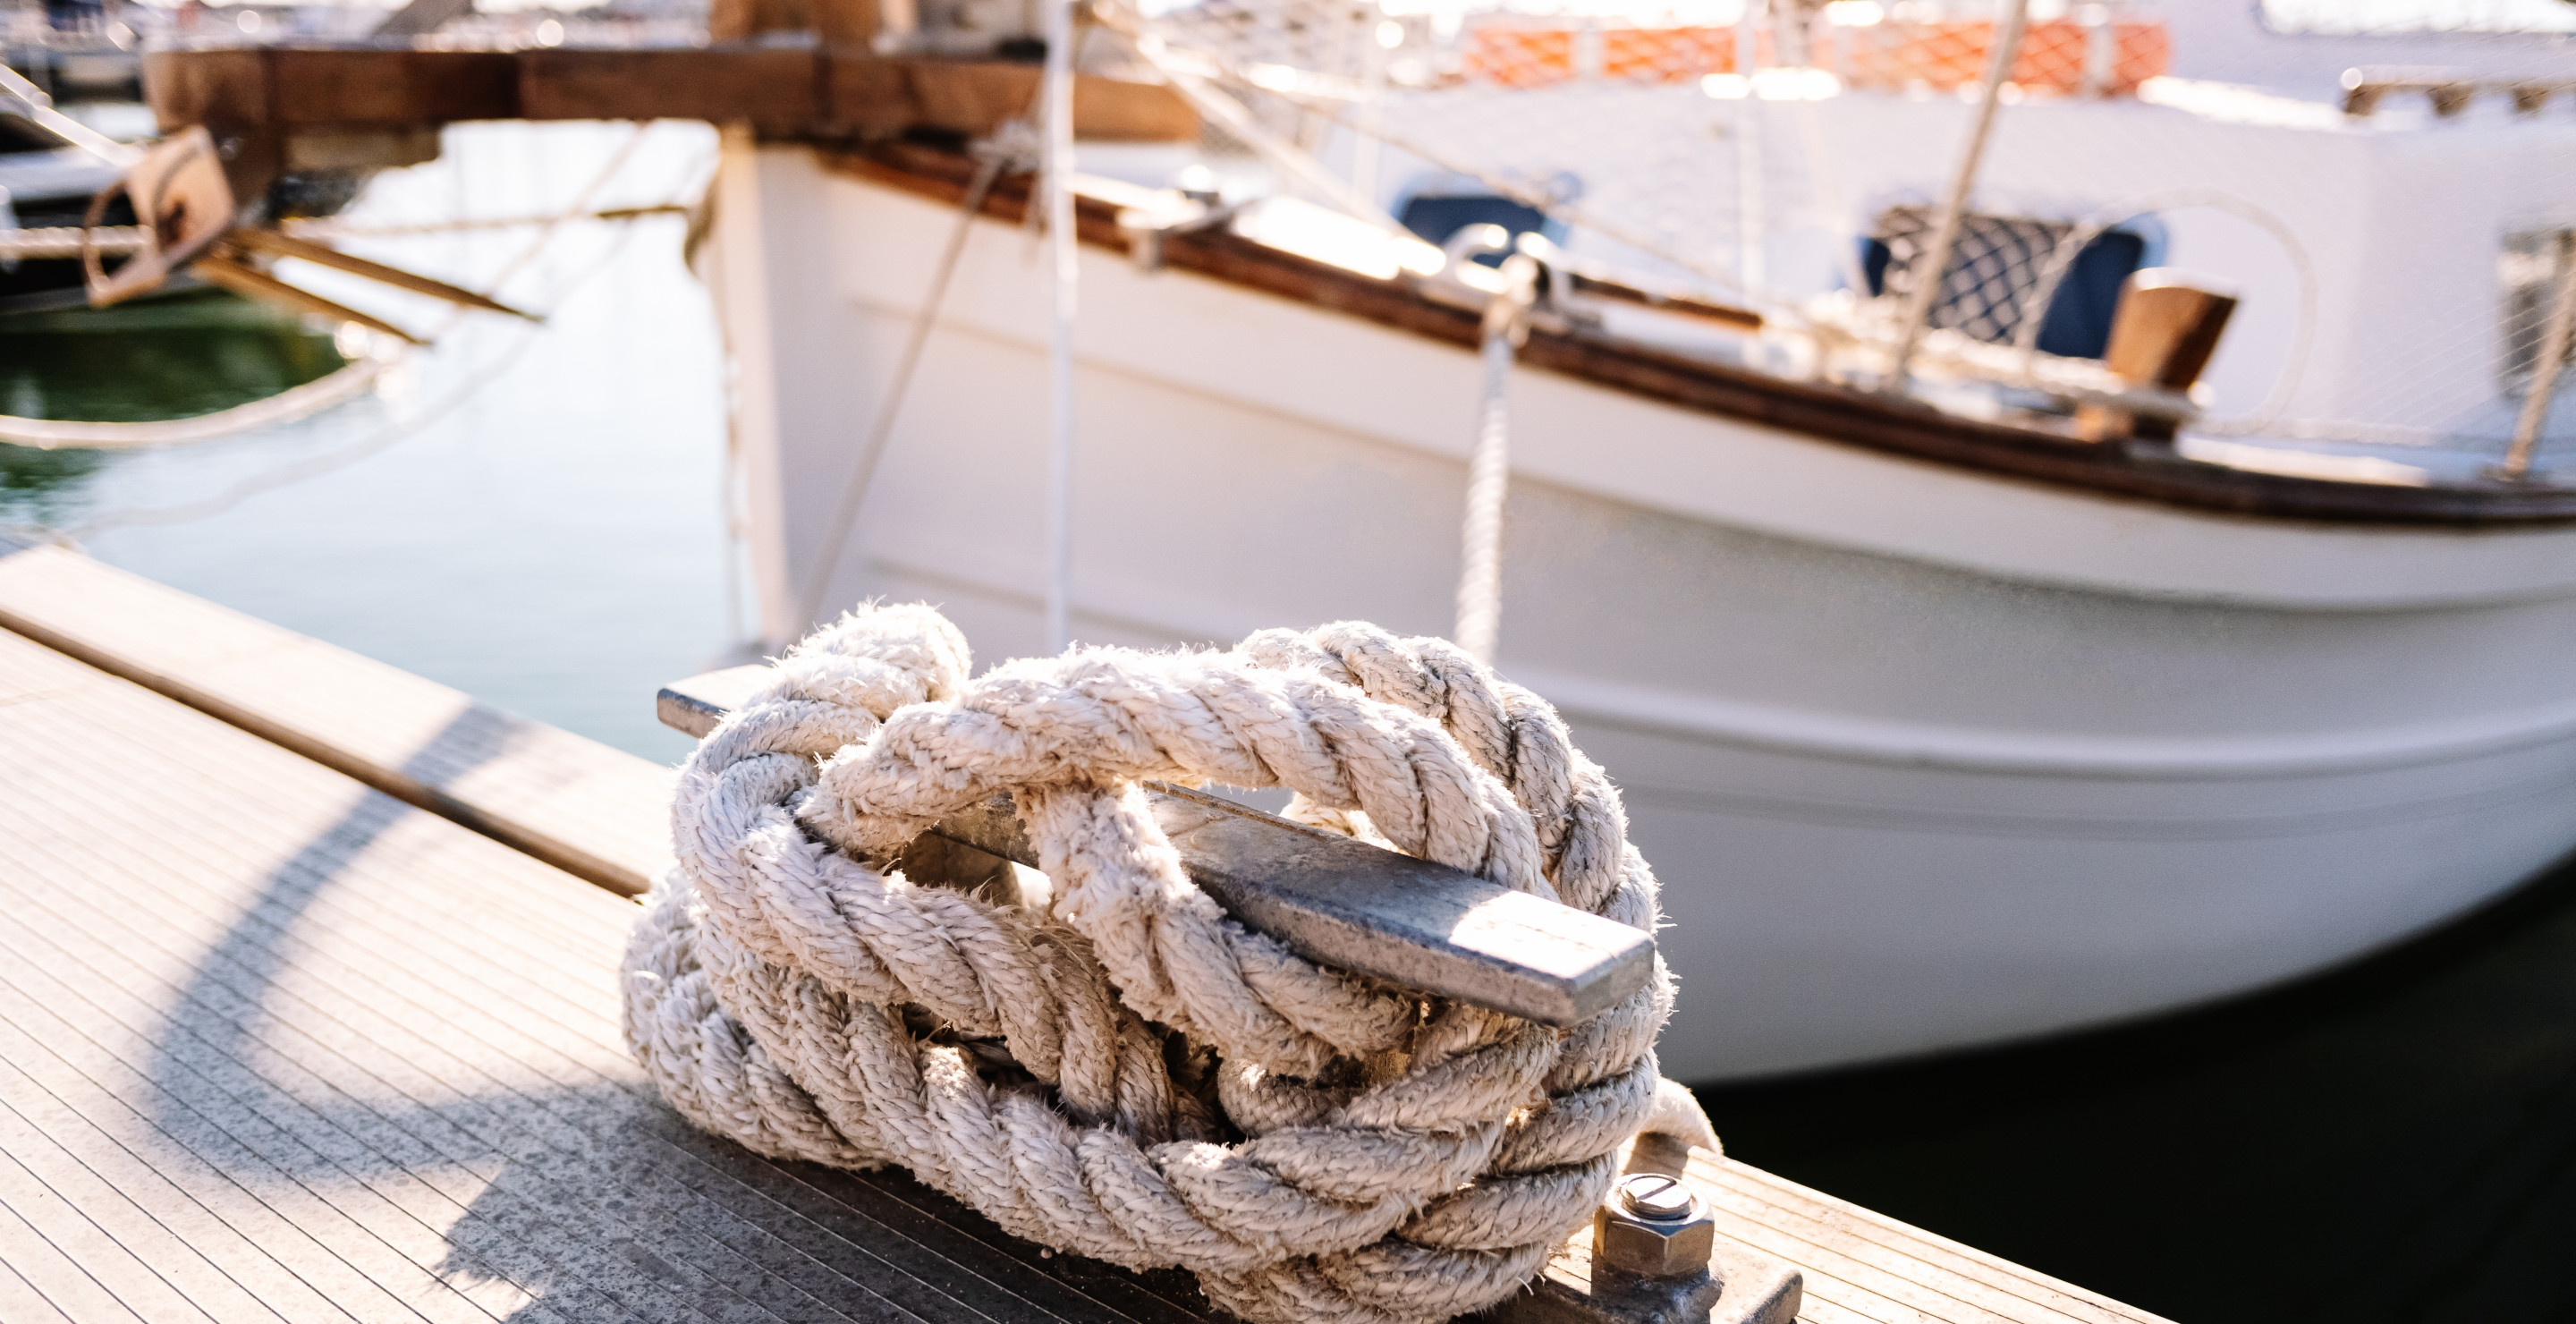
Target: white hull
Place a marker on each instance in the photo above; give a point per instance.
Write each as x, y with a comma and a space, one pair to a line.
1925, 758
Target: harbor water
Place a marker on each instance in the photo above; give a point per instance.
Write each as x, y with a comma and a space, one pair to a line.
532, 514
537, 515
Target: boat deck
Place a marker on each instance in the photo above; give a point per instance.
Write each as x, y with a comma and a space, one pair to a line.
308, 1012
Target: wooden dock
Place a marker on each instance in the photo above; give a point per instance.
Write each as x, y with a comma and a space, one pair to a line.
280, 108
308, 1012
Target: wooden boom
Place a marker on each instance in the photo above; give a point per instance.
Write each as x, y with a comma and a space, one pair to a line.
1330, 898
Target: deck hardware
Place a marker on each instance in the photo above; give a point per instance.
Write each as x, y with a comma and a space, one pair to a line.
1650, 1224
1330, 898
1146, 230
1630, 1268
1470, 286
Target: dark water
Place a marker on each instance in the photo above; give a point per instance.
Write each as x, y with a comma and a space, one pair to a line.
2396, 1143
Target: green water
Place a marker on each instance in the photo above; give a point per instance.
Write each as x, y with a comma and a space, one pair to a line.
530, 514
173, 356
167, 357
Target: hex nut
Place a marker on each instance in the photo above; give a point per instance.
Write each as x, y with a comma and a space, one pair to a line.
1623, 1238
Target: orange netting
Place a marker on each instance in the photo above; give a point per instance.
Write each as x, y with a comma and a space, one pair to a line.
2111, 59
2066, 58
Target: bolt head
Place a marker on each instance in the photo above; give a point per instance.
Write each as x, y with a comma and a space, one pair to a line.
1652, 1225
1654, 1195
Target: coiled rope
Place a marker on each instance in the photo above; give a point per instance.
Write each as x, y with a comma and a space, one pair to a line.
1119, 1069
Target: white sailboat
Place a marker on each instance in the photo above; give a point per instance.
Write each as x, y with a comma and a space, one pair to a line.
1942, 724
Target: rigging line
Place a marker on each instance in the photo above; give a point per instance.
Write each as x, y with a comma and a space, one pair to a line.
1573, 214
1238, 120
1934, 265
340, 384
315, 466
16, 85
2546, 366
1480, 558
336, 387
287, 475
326, 229
1201, 91
836, 539
1061, 246
580, 206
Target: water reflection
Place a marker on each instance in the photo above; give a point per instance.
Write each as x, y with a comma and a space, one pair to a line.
44, 487
185, 353
556, 544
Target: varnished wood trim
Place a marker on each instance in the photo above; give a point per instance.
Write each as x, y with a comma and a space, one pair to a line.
1831, 413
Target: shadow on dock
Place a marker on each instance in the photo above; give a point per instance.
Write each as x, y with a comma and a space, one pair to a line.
501, 1157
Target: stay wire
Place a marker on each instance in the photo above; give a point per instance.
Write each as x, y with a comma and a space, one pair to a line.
837, 537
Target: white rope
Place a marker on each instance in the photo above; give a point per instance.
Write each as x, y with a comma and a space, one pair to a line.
1489, 468
56, 242
1063, 260
346, 382
1119, 1069
318, 228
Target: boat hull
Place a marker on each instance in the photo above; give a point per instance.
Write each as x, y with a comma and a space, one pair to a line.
1924, 757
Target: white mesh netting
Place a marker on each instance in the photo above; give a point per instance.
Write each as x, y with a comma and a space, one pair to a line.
2393, 264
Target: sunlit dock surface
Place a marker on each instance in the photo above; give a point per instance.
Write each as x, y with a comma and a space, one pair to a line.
278, 1044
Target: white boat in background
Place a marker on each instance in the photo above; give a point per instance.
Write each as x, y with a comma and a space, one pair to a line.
1942, 725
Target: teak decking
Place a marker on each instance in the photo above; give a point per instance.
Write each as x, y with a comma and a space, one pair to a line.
299, 1022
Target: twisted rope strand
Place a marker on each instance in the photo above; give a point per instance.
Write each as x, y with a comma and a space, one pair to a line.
1121, 1070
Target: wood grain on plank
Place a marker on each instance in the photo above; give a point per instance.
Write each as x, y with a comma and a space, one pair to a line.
274, 1045
1864, 1264
595, 811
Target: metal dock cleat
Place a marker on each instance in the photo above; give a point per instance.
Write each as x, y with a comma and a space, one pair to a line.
1653, 1256
1652, 1253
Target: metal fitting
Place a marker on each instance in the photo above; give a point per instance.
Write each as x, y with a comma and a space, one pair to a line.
1651, 1224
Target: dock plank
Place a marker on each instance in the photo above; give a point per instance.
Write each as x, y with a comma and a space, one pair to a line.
300, 1019
593, 811
274, 1045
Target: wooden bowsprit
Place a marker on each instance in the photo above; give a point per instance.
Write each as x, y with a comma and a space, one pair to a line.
1343, 902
